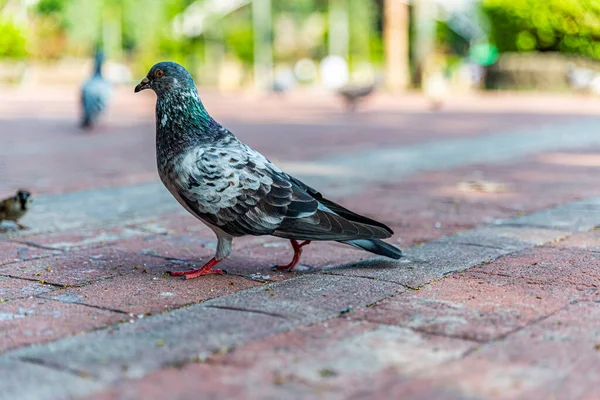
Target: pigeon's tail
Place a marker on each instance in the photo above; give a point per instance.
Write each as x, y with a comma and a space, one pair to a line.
376, 246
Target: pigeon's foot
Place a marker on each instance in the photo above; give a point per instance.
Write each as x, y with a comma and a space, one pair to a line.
205, 270
21, 226
297, 253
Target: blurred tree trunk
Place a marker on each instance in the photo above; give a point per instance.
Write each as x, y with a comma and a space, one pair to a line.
339, 31
424, 35
396, 38
263, 44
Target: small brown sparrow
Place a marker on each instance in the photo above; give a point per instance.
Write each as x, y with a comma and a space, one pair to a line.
14, 208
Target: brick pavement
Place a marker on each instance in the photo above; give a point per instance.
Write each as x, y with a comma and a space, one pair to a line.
494, 200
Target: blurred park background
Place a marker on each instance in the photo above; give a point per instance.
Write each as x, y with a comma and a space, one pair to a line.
437, 45
282, 75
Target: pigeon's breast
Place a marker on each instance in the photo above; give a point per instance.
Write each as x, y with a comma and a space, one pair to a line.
174, 189
202, 179
14, 211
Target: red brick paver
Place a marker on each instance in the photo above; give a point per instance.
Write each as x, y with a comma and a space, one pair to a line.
34, 320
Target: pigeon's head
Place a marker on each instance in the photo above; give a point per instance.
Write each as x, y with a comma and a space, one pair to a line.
23, 197
99, 56
166, 77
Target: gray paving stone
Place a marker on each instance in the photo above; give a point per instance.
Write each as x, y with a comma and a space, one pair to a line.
435, 259
100, 207
591, 203
574, 217
507, 237
28, 381
310, 298
422, 264
397, 162
451, 255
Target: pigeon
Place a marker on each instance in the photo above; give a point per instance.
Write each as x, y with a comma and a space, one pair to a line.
579, 78
95, 94
234, 189
584, 80
352, 95
283, 82
15, 207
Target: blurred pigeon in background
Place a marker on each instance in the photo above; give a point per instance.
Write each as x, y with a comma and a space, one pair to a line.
233, 188
353, 95
579, 78
582, 79
436, 88
284, 82
95, 94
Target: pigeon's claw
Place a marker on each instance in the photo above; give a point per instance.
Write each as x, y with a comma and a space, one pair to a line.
205, 270
297, 253
200, 273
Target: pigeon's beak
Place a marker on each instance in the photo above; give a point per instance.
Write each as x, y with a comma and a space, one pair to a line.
144, 84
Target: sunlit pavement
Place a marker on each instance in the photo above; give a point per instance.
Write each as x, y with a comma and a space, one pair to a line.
495, 201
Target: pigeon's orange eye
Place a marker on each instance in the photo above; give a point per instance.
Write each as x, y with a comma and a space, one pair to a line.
159, 73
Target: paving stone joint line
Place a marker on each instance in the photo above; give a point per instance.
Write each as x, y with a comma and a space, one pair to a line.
332, 272
57, 285
44, 297
247, 311
53, 366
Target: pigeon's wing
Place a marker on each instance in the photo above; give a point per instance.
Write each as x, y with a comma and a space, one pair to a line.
239, 191
338, 209
330, 222
235, 189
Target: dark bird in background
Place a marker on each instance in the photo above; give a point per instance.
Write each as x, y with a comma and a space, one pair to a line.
233, 188
353, 95
15, 207
95, 94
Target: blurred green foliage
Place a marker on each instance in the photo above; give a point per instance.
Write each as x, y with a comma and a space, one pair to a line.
139, 32
45, 7
12, 40
363, 17
299, 7
449, 40
238, 35
570, 26
239, 40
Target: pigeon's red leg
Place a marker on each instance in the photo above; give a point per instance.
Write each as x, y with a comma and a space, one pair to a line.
297, 253
205, 270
